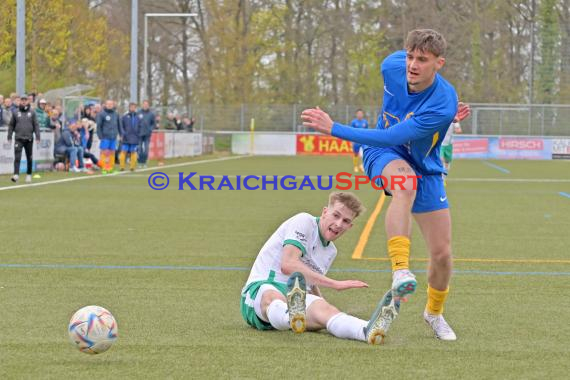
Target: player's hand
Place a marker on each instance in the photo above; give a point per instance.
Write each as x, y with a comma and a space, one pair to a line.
463, 112
350, 284
317, 119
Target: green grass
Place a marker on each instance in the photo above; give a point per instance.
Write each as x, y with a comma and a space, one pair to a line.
186, 323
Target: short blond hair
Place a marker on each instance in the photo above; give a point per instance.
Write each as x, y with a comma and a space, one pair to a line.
426, 40
349, 200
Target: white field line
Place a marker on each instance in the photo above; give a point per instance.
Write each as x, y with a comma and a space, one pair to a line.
155, 168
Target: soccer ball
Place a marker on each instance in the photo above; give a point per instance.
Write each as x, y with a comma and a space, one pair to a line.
92, 329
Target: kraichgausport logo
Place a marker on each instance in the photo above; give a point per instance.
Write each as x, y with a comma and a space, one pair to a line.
340, 181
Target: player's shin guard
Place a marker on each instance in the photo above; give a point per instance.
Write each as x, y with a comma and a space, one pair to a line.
122, 159
399, 252
436, 300
346, 326
112, 160
133, 160
277, 315
103, 160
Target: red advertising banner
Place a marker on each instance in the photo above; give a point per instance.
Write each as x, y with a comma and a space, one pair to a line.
471, 146
156, 149
521, 144
322, 145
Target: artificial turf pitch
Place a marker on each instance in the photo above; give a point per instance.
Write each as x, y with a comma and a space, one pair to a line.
170, 266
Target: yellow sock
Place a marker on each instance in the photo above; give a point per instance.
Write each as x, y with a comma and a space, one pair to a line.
112, 160
122, 159
133, 160
399, 252
435, 301
355, 161
103, 161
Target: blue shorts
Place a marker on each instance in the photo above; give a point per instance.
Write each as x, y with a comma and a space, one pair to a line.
108, 144
430, 193
129, 148
356, 148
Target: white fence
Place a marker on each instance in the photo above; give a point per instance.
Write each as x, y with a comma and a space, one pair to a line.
164, 144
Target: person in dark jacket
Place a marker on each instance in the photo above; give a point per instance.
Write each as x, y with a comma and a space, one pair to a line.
67, 144
108, 124
129, 128
147, 126
24, 124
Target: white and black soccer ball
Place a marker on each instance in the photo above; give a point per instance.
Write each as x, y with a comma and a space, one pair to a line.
92, 329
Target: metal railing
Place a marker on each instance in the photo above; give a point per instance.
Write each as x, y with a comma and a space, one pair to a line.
486, 119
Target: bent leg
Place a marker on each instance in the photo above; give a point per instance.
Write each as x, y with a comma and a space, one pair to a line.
271, 306
398, 215
396, 176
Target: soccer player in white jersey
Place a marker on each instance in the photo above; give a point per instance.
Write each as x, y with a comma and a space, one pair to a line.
283, 288
447, 146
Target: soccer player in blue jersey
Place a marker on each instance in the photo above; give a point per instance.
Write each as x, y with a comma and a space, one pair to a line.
358, 122
418, 107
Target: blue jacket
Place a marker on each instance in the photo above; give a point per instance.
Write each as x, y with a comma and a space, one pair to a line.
147, 122
108, 124
66, 140
129, 128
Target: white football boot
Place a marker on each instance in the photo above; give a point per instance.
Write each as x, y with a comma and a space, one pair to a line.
403, 283
440, 327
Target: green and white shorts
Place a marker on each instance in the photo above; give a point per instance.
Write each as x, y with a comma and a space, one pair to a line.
251, 301
251, 298
446, 152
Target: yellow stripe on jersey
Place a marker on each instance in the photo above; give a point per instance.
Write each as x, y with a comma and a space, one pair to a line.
433, 142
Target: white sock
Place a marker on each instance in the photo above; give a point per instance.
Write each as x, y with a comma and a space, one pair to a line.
277, 315
346, 326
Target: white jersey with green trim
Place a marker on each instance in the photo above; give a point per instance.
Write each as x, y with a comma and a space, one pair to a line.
448, 139
301, 231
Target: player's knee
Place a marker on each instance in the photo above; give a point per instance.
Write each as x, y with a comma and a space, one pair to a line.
268, 297
441, 256
407, 193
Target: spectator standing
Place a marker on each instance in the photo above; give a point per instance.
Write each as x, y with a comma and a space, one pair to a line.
24, 125
129, 128
108, 126
147, 126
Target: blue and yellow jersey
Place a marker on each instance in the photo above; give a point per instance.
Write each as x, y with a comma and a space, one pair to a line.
413, 124
362, 124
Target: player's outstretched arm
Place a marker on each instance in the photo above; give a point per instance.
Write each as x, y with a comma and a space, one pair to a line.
399, 134
291, 262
